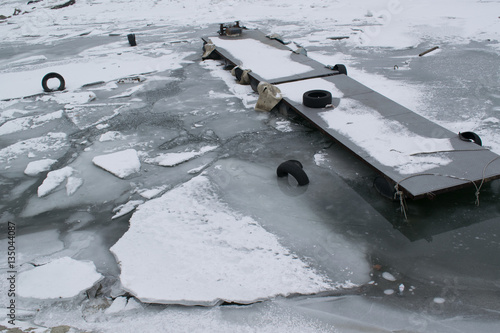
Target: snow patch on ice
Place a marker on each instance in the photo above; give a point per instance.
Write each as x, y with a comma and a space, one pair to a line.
111, 136
51, 141
122, 304
101, 126
243, 92
188, 247
173, 159
73, 184
126, 208
69, 97
24, 123
197, 170
29, 60
61, 278
82, 71
151, 193
319, 158
36, 167
10, 114
121, 164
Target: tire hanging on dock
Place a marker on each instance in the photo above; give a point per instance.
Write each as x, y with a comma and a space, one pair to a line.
131, 39
46, 78
340, 68
317, 98
293, 168
471, 137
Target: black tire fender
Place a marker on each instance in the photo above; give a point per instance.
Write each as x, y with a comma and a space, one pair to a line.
340, 68
317, 98
46, 78
131, 39
471, 137
293, 168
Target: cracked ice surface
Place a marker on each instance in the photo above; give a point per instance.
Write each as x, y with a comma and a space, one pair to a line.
188, 247
61, 278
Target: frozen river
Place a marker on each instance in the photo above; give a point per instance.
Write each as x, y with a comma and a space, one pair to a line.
148, 187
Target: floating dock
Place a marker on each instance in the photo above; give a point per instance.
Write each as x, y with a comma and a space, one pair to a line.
416, 156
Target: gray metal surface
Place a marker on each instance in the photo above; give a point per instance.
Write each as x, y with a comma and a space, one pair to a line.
470, 163
318, 69
468, 159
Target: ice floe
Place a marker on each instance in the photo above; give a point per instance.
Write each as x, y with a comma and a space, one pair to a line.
24, 123
121, 164
188, 247
36, 167
126, 208
69, 97
73, 184
61, 278
83, 71
122, 304
34, 245
53, 180
49, 142
173, 159
151, 193
111, 136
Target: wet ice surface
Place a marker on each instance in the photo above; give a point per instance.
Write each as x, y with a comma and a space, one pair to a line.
188, 119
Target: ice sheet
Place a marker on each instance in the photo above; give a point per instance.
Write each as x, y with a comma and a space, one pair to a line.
53, 180
46, 143
172, 159
121, 164
84, 71
61, 278
24, 123
36, 167
188, 247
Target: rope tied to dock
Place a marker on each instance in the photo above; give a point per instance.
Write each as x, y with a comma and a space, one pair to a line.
399, 194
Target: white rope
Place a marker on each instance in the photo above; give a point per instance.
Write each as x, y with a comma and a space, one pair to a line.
478, 188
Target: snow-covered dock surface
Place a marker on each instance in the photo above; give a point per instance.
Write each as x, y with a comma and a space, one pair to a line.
268, 59
420, 156
436, 273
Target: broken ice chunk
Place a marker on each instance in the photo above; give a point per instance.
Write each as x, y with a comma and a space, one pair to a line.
53, 180
61, 278
121, 164
36, 167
